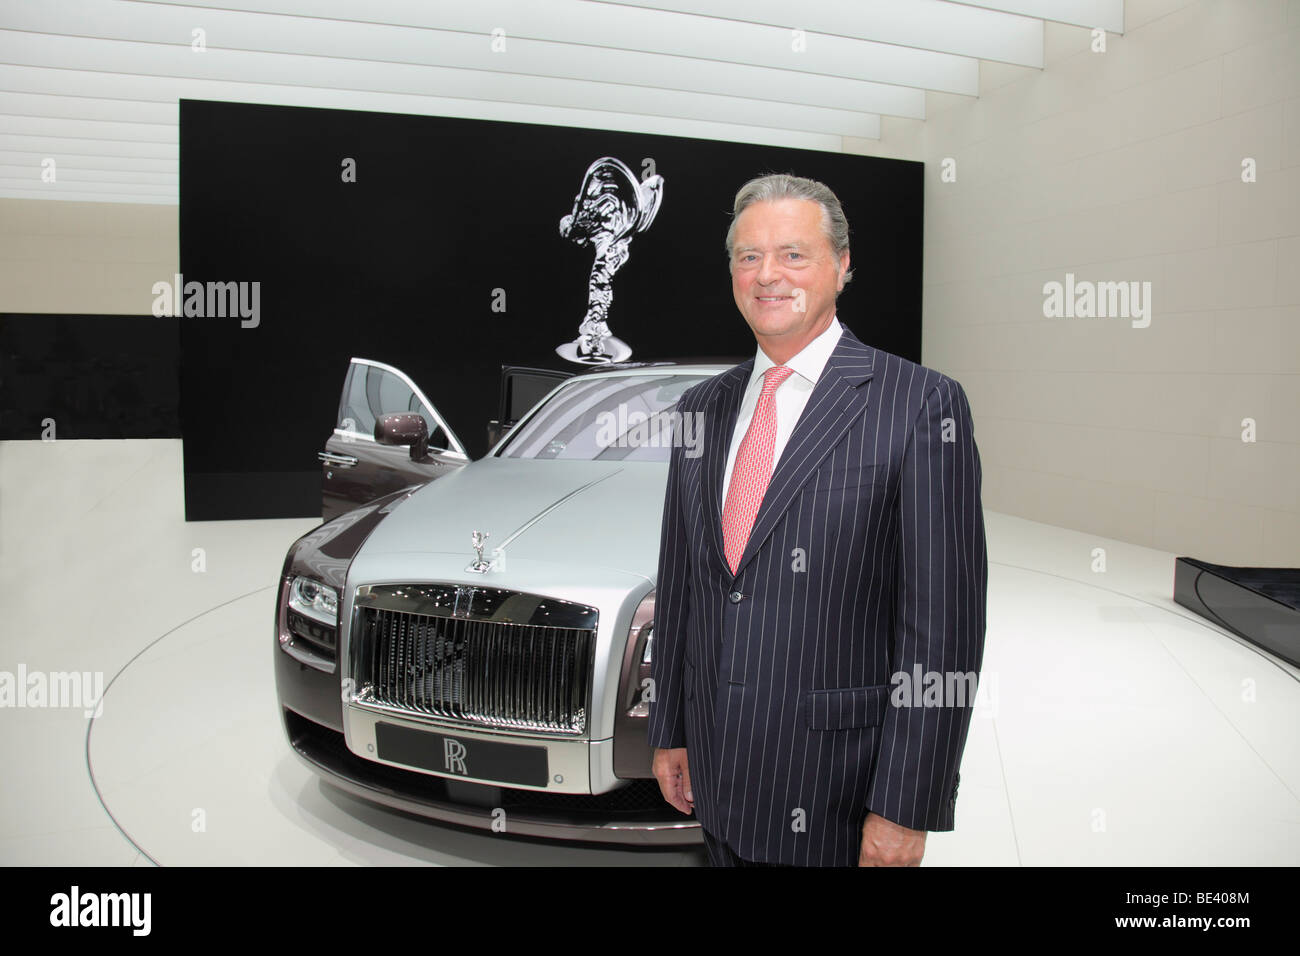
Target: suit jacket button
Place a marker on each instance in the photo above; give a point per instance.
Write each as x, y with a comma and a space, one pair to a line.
736, 597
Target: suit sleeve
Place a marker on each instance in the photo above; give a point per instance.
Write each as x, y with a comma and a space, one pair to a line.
667, 726
939, 617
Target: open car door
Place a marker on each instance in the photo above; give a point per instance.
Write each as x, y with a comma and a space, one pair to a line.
354, 467
521, 388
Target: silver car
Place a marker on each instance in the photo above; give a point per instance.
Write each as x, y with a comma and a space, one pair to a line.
477, 649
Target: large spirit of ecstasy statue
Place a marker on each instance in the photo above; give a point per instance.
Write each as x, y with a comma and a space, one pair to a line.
610, 207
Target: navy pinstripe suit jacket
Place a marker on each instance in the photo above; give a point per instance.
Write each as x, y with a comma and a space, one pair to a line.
867, 560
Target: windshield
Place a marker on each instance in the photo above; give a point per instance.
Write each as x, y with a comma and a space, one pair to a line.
608, 418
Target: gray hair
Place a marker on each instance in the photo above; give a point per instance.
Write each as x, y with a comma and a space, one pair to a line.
776, 186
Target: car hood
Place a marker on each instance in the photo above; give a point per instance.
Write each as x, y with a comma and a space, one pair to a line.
605, 514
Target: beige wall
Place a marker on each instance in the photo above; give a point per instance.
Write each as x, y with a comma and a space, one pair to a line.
83, 257
1126, 165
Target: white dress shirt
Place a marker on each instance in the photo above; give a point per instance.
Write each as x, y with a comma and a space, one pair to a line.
791, 397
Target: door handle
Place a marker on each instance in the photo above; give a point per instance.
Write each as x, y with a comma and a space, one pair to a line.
339, 461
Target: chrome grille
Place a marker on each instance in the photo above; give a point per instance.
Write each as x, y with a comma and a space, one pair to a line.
480, 655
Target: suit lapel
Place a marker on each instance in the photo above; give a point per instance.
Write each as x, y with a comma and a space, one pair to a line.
720, 423
835, 402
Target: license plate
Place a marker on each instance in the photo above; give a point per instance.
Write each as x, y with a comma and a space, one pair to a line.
462, 757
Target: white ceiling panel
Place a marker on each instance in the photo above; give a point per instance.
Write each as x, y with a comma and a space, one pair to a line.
29, 159
225, 31
60, 145
68, 172
924, 25
56, 126
573, 25
1106, 14
320, 72
95, 84
125, 87
61, 106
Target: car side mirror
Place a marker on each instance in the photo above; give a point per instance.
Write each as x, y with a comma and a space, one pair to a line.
404, 428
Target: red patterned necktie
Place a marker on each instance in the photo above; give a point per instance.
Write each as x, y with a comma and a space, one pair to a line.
753, 469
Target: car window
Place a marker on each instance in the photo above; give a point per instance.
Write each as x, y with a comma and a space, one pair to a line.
371, 391
597, 418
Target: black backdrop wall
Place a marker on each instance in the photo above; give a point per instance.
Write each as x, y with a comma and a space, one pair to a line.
444, 218
92, 376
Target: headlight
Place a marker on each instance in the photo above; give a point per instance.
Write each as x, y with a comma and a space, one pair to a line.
649, 640
314, 600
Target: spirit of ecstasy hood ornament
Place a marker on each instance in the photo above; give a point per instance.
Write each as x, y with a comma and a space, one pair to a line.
476, 539
610, 207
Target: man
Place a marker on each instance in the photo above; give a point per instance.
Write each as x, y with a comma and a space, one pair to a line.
822, 572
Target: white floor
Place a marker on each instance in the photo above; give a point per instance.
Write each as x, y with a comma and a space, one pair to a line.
1117, 727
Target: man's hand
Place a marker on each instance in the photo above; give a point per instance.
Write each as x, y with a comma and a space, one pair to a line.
674, 778
885, 843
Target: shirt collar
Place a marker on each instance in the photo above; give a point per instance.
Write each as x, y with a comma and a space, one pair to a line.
811, 360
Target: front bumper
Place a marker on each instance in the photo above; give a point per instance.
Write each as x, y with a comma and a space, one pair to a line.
634, 814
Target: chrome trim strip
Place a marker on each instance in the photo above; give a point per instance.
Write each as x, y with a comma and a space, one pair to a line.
473, 602
451, 725
342, 461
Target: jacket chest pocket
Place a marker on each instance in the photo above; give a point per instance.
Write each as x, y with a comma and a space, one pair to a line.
843, 707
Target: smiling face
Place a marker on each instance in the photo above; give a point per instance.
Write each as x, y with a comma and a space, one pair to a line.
784, 274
